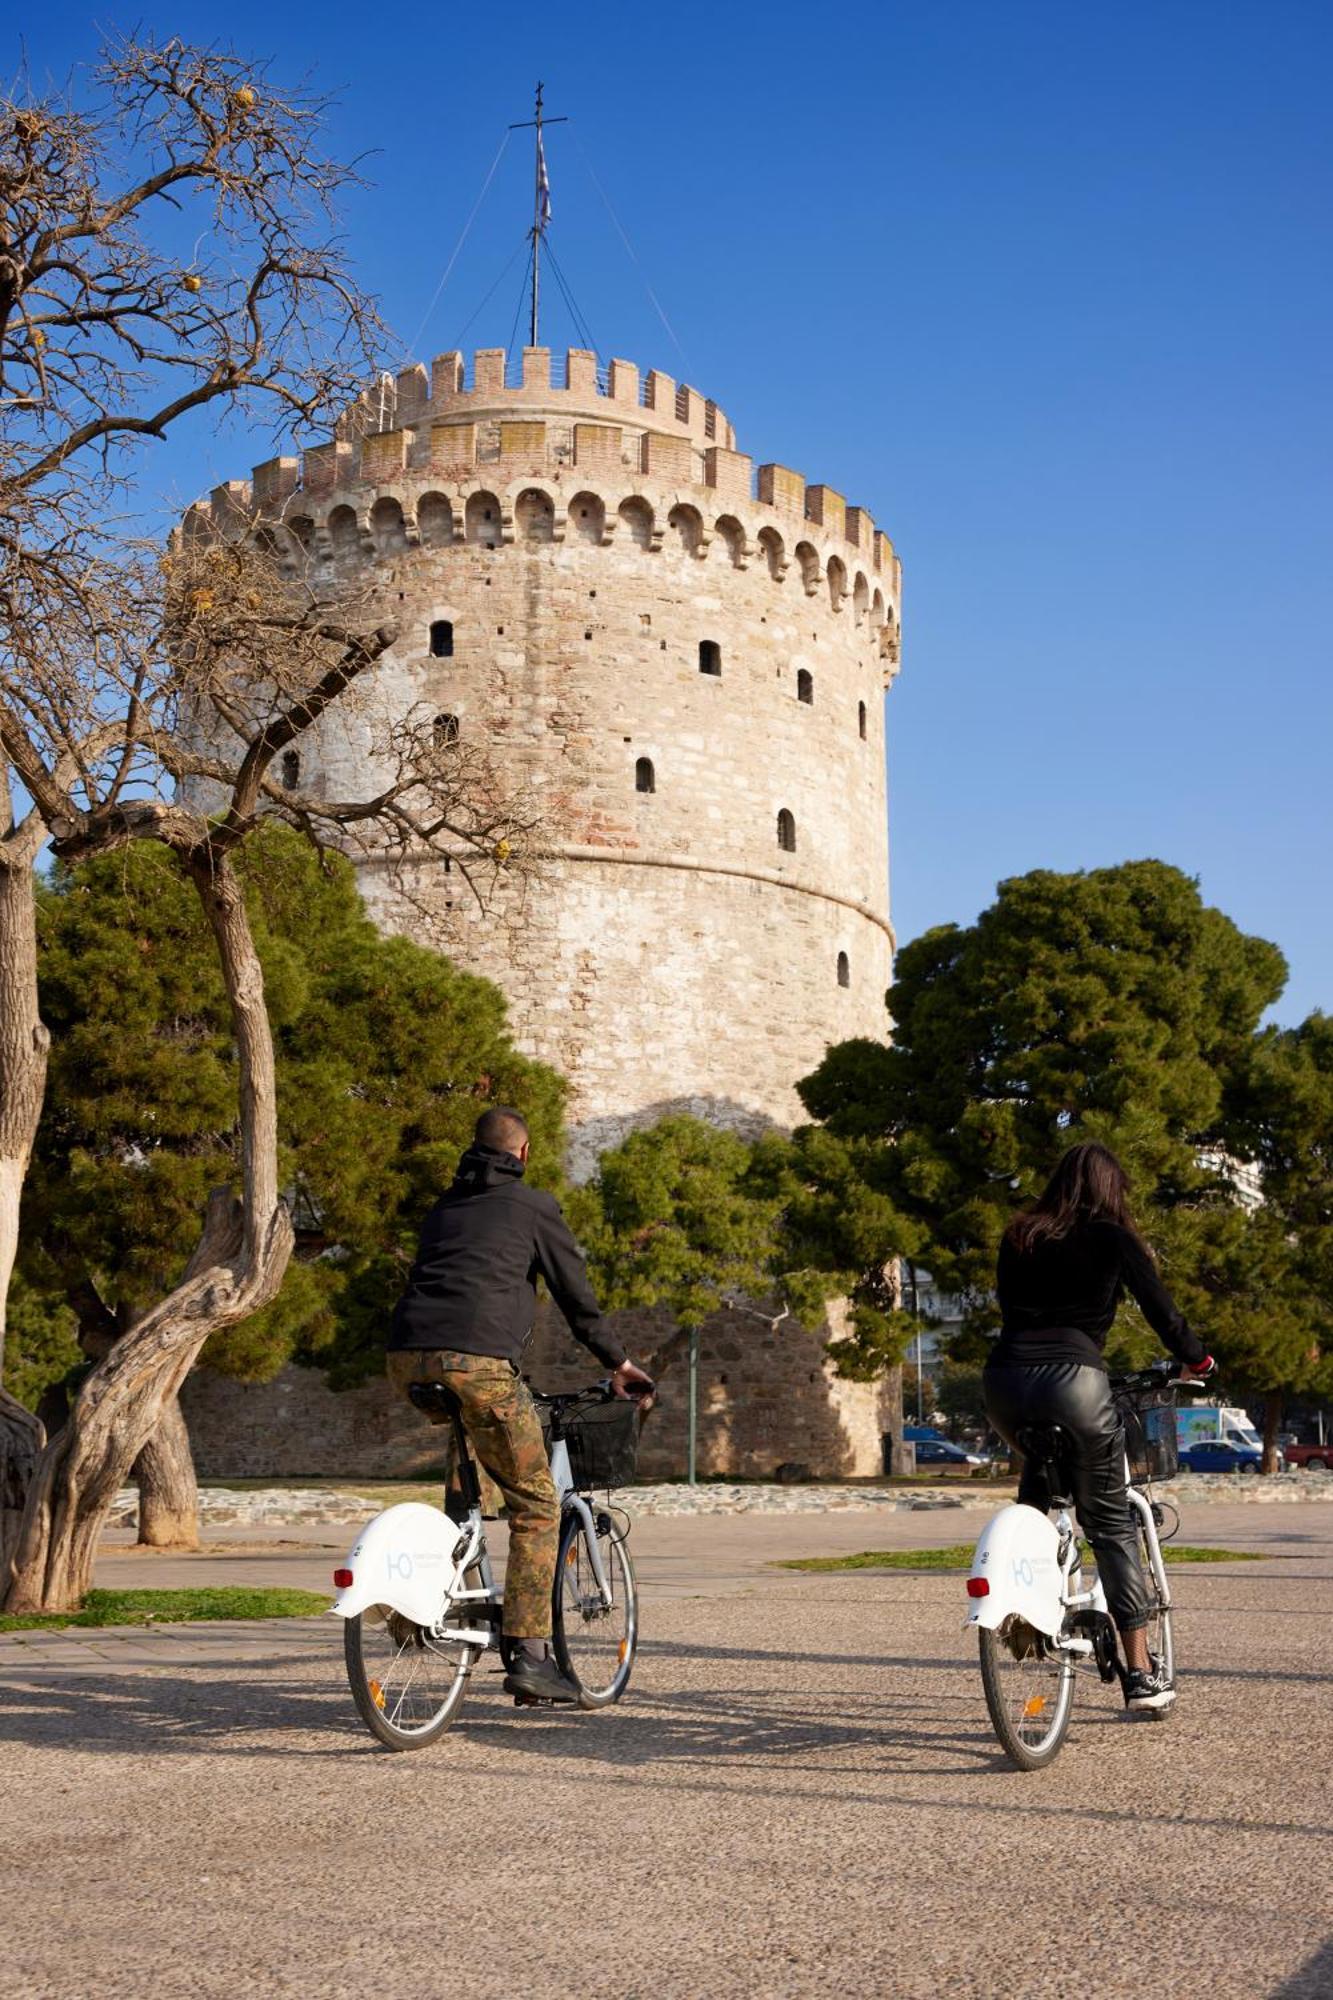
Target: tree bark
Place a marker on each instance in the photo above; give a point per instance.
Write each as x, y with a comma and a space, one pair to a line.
1274, 1404
23, 1045
236, 1269
164, 1469
168, 1489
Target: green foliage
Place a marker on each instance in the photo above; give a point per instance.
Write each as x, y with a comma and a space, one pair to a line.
40, 1344
681, 1215
842, 1229
385, 1055
958, 1394
1112, 1005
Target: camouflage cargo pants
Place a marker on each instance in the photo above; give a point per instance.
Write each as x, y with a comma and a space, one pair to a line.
505, 1433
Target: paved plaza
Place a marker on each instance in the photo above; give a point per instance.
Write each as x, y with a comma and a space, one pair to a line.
799, 1797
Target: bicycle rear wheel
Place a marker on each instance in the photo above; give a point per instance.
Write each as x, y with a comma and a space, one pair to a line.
595, 1644
407, 1685
1029, 1693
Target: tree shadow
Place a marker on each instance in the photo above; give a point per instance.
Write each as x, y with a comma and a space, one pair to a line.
1311, 1981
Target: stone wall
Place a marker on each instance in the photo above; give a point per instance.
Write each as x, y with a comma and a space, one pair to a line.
766, 1398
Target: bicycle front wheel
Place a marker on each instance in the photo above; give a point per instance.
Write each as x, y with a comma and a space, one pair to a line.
1161, 1647
1029, 1693
407, 1685
594, 1642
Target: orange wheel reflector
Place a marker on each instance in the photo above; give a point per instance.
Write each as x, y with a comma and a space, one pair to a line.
572, 1557
1036, 1706
622, 1651
377, 1694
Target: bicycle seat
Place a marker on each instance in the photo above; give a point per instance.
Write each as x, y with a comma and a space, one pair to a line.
433, 1398
1050, 1447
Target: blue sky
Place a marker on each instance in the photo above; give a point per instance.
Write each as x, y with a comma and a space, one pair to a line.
1046, 288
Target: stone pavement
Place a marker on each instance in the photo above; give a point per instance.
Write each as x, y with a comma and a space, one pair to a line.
800, 1797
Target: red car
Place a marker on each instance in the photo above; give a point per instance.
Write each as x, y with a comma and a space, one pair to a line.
1313, 1457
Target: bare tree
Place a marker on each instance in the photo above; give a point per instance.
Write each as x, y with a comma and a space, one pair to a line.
252, 658
165, 247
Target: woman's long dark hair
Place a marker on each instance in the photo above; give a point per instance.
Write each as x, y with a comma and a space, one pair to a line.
1089, 1185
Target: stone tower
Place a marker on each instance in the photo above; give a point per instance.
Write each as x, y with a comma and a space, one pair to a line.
686, 660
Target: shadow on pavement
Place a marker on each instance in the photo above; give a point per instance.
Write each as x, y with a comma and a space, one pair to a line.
1311, 1981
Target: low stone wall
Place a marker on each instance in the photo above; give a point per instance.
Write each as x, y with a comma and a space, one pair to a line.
286, 1506
767, 1397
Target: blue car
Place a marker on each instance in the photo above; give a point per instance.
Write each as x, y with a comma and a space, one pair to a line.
1218, 1455
938, 1451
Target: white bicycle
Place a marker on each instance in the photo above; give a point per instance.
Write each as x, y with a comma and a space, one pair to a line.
420, 1601
1038, 1627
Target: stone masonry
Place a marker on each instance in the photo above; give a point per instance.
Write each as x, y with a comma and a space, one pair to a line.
683, 661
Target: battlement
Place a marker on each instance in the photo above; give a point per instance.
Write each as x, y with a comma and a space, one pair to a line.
603, 429
619, 393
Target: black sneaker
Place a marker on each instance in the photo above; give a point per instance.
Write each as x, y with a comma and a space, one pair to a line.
537, 1680
1149, 1693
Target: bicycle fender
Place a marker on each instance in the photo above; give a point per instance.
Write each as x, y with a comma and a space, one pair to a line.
403, 1558
1018, 1557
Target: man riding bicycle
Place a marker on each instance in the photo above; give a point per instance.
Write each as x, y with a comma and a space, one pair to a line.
462, 1321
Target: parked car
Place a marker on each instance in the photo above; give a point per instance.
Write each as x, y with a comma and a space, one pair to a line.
1220, 1455
1312, 1457
939, 1451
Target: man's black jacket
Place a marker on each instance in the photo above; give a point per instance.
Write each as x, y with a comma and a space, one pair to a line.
483, 1246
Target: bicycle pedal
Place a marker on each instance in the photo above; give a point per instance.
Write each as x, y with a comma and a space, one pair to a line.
533, 1701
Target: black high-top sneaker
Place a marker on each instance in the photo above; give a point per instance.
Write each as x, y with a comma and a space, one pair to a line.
532, 1677
1150, 1693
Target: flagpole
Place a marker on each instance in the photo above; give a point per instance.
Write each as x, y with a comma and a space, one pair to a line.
537, 218
541, 202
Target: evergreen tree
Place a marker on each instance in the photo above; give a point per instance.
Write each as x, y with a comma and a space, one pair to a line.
386, 1053
681, 1215
1113, 1005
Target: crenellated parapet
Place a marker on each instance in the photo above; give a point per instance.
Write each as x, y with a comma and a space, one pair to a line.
438, 460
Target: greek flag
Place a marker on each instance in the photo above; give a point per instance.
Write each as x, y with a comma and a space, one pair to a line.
543, 185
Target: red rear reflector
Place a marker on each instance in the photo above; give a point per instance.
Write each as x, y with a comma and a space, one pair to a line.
342, 1579
977, 1586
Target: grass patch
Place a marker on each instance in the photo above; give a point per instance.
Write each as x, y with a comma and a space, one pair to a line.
171, 1607
958, 1555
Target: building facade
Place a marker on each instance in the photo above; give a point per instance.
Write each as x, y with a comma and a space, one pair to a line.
681, 659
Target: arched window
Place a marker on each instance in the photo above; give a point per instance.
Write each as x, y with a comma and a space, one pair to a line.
844, 970
638, 518
645, 778
534, 514
587, 517
861, 719
388, 528
805, 686
482, 520
444, 730
291, 770
442, 639
686, 527
786, 832
435, 520
710, 657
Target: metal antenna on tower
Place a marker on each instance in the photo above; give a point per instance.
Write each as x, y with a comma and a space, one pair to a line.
541, 203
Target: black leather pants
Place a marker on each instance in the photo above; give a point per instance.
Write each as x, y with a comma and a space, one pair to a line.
1079, 1400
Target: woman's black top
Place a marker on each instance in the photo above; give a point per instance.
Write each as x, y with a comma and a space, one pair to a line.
1059, 1298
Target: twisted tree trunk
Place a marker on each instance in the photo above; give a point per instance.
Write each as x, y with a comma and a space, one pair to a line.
236, 1269
23, 1046
168, 1488
164, 1469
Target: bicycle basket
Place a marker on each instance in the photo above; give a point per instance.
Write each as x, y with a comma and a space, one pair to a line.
603, 1442
1149, 1417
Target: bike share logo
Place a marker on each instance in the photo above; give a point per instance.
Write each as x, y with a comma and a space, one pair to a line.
399, 1565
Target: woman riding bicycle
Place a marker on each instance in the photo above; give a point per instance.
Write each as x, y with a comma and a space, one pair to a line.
1065, 1263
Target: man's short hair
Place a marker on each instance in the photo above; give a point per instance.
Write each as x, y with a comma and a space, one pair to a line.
502, 1129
